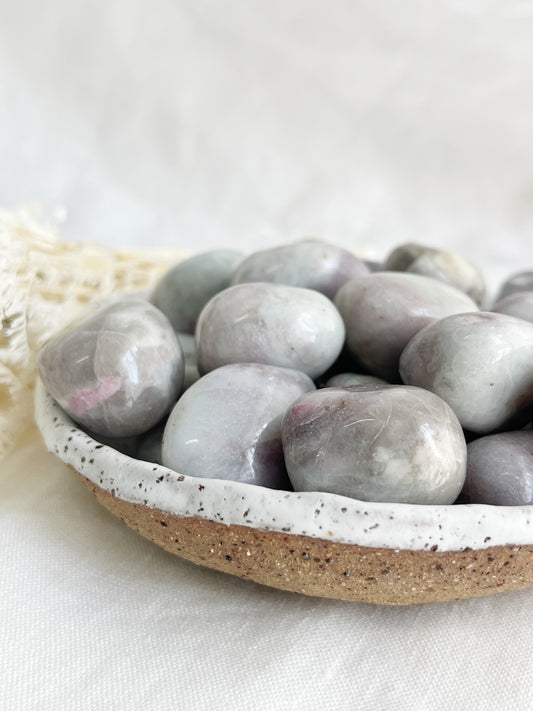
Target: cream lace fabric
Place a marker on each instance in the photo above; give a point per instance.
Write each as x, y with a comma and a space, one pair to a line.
44, 285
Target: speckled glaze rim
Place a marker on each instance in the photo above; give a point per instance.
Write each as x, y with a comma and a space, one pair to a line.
318, 515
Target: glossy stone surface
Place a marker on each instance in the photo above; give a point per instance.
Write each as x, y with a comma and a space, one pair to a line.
439, 264
521, 281
344, 379
188, 347
451, 269
519, 304
384, 310
118, 372
311, 264
184, 290
227, 425
375, 443
403, 256
480, 363
500, 469
275, 324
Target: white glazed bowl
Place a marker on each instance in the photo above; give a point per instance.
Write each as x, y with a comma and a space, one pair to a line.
313, 543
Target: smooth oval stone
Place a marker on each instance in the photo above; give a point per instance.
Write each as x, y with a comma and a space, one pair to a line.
500, 469
227, 424
184, 290
438, 264
188, 347
522, 281
275, 324
403, 256
480, 363
344, 379
518, 304
311, 264
117, 372
451, 269
389, 443
383, 311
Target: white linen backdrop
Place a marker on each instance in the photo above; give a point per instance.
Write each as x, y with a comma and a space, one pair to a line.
197, 124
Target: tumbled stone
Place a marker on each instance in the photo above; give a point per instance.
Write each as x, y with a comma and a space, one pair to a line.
500, 469
384, 310
184, 290
274, 324
480, 363
389, 443
188, 347
227, 424
518, 304
344, 379
118, 372
451, 269
403, 256
521, 281
439, 264
312, 264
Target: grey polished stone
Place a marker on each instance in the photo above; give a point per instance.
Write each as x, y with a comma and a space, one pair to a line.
500, 469
518, 304
275, 324
118, 372
480, 363
375, 443
521, 281
344, 379
451, 269
310, 263
188, 347
384, 310
227, 424
439, 264
184, 290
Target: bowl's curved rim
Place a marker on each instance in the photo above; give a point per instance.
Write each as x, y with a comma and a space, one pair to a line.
319, 515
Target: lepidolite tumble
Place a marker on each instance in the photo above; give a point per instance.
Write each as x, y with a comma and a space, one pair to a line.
500, 469
388, 443
227, 424
480, 363
286, 326
384, 310
118, 372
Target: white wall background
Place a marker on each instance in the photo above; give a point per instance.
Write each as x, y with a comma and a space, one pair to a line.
195, 123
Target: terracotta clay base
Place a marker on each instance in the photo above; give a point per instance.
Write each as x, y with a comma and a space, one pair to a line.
322, 568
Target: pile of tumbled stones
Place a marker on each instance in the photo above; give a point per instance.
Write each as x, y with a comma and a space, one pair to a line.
303, 367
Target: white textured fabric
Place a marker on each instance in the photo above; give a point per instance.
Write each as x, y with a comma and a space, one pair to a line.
93, 616
196, 124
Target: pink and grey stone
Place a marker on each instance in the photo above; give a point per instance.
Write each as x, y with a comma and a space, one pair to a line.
384, 310
480, 363
309, 263
390, 443
118, 372
227, 424
280, 325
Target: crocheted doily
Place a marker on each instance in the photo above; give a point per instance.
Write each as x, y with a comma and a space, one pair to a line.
45, 284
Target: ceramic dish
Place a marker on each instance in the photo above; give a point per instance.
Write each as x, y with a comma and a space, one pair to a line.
312, 543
